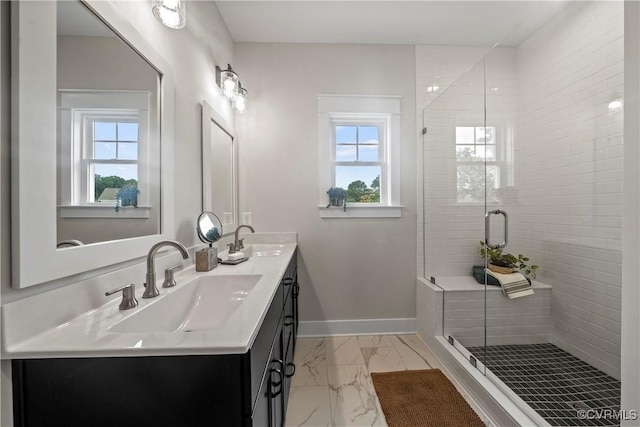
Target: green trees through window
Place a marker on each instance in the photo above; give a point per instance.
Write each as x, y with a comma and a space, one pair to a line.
358, 192
103, 183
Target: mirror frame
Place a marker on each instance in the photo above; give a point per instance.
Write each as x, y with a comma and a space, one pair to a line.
35, 259
209, 114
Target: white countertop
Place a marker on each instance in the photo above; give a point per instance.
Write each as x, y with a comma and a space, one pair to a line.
87, 335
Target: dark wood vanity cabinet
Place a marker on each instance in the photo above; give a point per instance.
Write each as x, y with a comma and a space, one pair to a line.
248, 389
270, 407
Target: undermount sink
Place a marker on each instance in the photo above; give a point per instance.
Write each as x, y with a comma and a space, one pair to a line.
261, 250
204, 303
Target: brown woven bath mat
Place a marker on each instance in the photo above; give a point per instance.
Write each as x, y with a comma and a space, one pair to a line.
424, 398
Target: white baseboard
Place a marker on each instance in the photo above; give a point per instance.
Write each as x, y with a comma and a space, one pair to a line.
324, 328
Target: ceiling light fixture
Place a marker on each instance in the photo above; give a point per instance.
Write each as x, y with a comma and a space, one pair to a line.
172, 13
231, 88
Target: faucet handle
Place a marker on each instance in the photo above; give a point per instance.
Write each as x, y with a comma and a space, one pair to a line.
232, 248
128, 296
169, 281
240, 244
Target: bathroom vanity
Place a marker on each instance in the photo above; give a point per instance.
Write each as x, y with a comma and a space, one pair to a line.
108, 367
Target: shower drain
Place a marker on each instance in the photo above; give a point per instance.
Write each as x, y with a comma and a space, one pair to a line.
578, 406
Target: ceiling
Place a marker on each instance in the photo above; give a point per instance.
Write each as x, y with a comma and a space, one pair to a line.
471, 23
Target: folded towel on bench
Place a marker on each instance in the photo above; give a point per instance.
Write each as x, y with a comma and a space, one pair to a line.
514, 285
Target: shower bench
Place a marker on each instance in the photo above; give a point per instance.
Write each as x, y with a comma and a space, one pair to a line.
455, 306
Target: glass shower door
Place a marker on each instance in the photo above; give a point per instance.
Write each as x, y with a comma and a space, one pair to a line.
456, 144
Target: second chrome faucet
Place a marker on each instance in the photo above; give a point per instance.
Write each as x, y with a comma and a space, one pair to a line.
239, 243
150, 288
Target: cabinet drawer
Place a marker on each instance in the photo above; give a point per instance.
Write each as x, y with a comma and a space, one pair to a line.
259, 353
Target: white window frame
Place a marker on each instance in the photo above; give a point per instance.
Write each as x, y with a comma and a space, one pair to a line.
78, 110
382, 122
360, 109
87, 120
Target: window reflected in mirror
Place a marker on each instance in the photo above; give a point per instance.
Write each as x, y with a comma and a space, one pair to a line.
108, 166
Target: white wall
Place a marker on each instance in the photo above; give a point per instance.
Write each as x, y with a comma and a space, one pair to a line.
6, 411
568, 216
193, 53
350, 268
631, 238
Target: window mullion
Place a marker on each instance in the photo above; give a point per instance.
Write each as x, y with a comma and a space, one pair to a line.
357, 143
117, 142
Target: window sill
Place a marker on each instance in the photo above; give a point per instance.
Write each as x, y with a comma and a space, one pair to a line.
126, 212
360, 211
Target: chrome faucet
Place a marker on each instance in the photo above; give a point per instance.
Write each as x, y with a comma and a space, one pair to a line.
72, 242
150, 289
239, 243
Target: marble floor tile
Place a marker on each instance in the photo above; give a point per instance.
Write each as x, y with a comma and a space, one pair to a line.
383, 359
375, 340
311, 363
332, 384
353, 398
413, 351
309, 406
343, 351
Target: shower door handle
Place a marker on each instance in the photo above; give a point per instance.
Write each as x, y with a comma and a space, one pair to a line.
487, 228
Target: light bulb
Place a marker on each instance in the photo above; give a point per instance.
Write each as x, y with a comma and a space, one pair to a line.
229, 85
171, 13
240, 103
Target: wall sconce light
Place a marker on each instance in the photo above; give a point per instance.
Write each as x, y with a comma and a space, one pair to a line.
240, 103
228, 82
231, 88
172, 13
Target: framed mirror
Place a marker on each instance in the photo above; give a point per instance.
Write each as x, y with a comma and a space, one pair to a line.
219, 168
108, 125
60, 113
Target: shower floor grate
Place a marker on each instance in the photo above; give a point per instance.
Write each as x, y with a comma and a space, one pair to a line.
563, 389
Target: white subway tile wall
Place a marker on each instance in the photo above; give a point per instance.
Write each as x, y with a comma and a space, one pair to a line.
561, 170
569, 174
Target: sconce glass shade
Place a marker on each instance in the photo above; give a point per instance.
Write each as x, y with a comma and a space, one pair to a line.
172, 13
240, 103
229, 84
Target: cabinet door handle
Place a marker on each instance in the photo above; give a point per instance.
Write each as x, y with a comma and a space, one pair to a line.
288, 320
287, 281
278, 383
296, 289
293, 372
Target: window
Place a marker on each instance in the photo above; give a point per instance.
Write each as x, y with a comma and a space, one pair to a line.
111, 160
478, 166
105, 154
359, 143
359, 160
